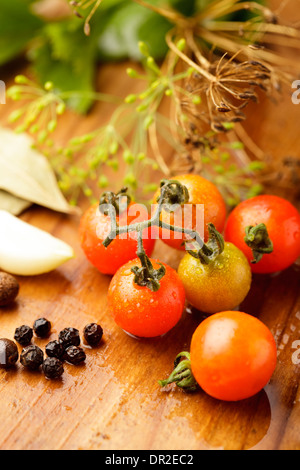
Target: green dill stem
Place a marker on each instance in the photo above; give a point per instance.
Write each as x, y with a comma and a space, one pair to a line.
92, 95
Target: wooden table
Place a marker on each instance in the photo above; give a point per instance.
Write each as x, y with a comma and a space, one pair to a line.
113, 401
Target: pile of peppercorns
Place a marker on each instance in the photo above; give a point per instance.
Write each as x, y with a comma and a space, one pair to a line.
66, 348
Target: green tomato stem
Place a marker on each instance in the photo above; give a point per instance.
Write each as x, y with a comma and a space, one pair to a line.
147, 276
257, 238
172, 193
182, 374
212, 249
168, 198
119, 202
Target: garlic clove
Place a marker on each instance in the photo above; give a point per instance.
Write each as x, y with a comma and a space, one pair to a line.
28, 251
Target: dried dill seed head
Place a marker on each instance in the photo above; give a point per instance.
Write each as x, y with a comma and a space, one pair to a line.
9, 353
32, 357
232, 87
23, 335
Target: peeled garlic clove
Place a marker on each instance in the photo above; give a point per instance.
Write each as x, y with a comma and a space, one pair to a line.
28, 251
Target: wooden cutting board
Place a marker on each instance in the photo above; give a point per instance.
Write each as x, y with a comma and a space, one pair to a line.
114, 401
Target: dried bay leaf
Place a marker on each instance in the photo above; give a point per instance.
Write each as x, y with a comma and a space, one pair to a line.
12, 204
27, 174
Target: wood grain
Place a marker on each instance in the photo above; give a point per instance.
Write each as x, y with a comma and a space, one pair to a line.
114, 401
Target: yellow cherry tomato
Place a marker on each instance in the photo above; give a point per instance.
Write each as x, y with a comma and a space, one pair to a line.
220, 285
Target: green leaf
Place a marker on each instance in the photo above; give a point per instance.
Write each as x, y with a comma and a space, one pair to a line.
153, 33
67, 58
125, 26
185, 7
120, 25
18, 25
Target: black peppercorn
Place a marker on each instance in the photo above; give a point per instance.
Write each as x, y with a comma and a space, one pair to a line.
23, 335
9, 353
53, 368
32, 357
55, 349
42, 327
74, 355
93, 334
69, 337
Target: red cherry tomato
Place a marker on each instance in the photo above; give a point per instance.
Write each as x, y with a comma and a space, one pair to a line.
138, 310
201, 192
94, 229
282, 220
233, 355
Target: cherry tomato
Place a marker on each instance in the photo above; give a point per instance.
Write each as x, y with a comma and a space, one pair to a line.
283, 224
233, 355
201, 191
220, 285
140, 311
95, 227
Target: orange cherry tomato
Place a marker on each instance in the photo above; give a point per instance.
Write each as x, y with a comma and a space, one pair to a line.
138, 310
95, 228
201, 191
233, 355
282, 220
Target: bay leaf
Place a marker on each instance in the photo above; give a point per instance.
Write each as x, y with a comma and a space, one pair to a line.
12, 204
27, 174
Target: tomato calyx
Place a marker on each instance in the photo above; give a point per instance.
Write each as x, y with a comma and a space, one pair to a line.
210, 250
182, 374
147, 276
118, 202
172, 192
257, 238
